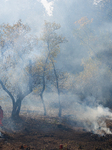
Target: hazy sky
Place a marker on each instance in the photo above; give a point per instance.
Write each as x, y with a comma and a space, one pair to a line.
64, 12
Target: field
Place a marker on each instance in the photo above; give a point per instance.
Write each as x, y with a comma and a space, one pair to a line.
48, 133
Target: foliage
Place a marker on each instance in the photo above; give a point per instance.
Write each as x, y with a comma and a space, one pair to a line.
96, 75
16, 43
84, 33
51, 39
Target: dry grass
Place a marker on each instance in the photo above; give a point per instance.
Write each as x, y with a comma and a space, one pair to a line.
47, 133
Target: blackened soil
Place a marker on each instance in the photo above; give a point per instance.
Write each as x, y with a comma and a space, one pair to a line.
45, 133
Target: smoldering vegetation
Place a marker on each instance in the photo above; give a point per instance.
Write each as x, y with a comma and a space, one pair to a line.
58, 67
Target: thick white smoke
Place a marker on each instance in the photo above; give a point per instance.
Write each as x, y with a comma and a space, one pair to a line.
93, 118
96, 2
48, 6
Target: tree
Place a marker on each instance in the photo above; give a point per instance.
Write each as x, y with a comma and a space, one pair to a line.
51, 41
95, 79
84, 33
94, 40
41, 77
20, 76
15, 44
59, 81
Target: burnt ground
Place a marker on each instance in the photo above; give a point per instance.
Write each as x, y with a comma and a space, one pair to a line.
47, 133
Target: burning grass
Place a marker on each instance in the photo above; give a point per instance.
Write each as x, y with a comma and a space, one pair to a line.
51, 133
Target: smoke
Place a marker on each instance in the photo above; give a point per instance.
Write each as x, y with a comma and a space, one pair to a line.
48, 6
89, 94
93, 118
96, 2
88, 114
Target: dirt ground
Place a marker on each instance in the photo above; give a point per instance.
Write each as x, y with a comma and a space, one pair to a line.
47, 133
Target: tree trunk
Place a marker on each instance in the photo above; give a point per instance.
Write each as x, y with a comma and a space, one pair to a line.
16, 104
16, 109
43, 89
30, 76
60, 109
41, 95
58, 90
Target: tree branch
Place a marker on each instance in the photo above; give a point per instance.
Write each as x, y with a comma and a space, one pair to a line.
7, 91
